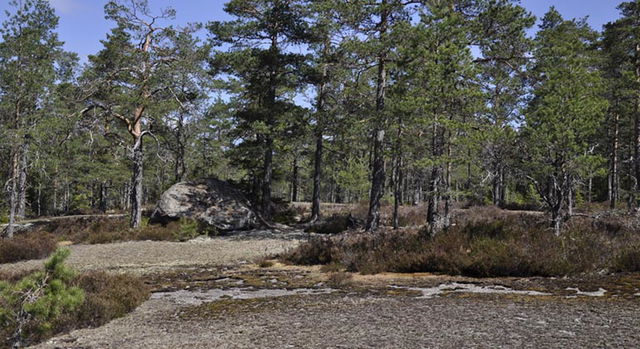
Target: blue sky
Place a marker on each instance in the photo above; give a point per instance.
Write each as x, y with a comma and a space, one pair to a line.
82, 22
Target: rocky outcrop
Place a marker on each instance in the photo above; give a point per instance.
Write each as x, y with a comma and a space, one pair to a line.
211, 201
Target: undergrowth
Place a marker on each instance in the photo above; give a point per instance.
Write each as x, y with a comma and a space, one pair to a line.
483, 245
37, 305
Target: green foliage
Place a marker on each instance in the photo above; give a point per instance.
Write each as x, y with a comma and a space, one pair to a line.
190, 228
31, 306
354, 178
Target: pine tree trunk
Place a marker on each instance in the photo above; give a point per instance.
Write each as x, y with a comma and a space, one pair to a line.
397, 192
433, 214
103, 197
317, 178
378, 175
434, 217
13, 195
317, 159
22, 182
377, 182
136, 184
613, 181
267, 169
294, 180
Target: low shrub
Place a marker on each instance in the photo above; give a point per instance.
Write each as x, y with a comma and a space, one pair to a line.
313, 252
490, 247
37, 305
335, 224
31, 307
627, 259
107, 297
27, 246
182, 230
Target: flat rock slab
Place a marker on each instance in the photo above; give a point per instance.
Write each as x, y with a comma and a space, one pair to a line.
147, 255
360, 321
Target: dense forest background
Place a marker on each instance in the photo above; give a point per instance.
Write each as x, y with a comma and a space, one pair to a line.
399, 102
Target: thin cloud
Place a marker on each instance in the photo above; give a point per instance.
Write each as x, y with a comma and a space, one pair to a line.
66, 6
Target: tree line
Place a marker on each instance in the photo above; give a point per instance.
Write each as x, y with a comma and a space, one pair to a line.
381, 101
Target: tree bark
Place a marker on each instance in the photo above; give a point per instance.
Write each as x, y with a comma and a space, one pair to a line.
378, 175
22, 182
613, 172
267, 175
13, 195
317, 178
636, 145
294, 180
103, 197
136, 184
317, 159
434, 217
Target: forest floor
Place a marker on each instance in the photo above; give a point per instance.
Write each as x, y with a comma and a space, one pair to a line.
221, 293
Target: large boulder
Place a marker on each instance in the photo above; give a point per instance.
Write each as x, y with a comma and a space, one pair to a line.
211, 201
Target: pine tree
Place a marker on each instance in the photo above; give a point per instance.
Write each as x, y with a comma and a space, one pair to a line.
29, 53
257, 60
133, 78
566, 109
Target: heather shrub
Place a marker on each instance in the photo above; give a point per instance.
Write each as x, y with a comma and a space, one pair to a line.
26, 246
486, 244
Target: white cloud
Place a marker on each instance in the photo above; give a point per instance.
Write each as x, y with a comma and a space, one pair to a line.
66, 6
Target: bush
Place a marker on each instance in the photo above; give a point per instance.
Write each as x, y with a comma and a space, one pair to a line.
335, 224
40, 304
107, 297
488, 244
627, 260
313, 252
27, 246
30, 308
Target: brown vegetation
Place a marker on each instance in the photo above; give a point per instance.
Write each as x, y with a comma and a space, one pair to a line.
27, 246
485, 242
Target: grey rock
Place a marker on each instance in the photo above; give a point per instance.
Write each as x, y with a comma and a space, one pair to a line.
211, 201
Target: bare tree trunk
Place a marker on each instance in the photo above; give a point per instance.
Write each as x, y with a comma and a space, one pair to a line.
433, 202
267, 175
179, 166
636, 145
103, 197
317, 160
446, 217
613, 181
39, 199
294, 180
378, 175
13, 195
570, 202
377, 182
22, 182
434, 217
136, 184
317, 178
